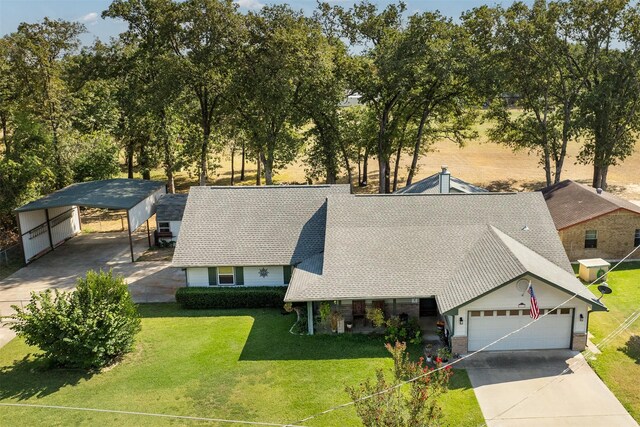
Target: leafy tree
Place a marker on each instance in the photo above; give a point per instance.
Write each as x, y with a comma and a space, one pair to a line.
378, 72
88, 328
285, 52
37, 64
610, 76
97, 157
390, 405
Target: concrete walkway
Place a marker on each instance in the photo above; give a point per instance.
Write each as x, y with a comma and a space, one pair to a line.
151, 281
522, 388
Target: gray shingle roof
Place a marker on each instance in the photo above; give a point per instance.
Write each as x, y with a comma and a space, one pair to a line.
410, 246
170, 207
107, 194
571, 203
243, 226
506, 259
431, 185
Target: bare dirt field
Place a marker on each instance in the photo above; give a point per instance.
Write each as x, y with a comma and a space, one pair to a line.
486, 164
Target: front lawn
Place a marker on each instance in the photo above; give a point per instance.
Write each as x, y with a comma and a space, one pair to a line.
619, 363
240, 364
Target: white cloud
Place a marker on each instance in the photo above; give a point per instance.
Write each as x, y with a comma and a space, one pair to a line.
89, 18
249, 4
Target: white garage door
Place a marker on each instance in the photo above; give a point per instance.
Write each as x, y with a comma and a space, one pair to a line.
551, 331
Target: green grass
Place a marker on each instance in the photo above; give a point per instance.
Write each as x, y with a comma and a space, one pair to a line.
619, 363
240, 364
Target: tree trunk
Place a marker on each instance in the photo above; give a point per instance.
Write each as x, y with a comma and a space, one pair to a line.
365, 168
233, 153
5, 139
242, 165
347, 165
204, 153
144, 161
259, 165
168, 156
416, 147
597, 176
565, 141
387, 177
267, 162
547, 163
130, 147
604, 171
396, 167
383, 163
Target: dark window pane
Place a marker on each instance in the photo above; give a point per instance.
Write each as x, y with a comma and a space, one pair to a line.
225, 279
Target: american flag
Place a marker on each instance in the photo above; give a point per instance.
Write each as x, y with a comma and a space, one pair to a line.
534, 312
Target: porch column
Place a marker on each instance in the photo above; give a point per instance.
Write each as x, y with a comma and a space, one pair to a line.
310, 317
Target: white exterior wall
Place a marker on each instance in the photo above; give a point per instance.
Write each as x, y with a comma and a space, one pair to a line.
197, 276
37, 242
174, 226
33, 245
275, 277
144, 210
67, 228
508, 297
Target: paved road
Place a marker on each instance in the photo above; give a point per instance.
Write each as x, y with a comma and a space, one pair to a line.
152, 281
521, 388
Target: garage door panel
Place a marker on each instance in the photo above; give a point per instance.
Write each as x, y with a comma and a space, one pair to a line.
551, 331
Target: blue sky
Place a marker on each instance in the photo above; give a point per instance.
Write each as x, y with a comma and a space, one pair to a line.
13, 12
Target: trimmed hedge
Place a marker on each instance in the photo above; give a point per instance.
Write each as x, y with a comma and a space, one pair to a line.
249, 297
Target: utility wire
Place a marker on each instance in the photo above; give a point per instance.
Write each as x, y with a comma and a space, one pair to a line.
400, 384
148, 414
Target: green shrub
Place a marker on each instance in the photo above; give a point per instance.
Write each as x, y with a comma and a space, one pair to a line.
399, 331
249, 297
87, 328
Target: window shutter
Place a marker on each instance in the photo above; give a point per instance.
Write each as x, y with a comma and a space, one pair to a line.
239, 276
213, 276
287, 274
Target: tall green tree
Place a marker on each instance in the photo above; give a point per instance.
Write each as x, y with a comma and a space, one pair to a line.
284, 53
37, 66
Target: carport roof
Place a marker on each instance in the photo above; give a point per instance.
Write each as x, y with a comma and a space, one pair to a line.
107, 194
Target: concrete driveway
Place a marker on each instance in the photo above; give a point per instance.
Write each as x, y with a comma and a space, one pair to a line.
522, 388
151, 281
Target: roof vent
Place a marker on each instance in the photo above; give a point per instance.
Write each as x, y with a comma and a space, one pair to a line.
525, 228
599, 190
444, 179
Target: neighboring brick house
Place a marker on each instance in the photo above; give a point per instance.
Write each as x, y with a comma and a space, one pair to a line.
593, 223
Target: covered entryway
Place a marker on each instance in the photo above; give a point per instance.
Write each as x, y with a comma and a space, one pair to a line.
52, 220
428, 307
549, 332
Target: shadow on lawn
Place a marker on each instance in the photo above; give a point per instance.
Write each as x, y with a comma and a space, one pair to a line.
32, 377
632, 348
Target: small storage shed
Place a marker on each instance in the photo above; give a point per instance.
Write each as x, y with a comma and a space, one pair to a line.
169, 211
591, 269
53, 219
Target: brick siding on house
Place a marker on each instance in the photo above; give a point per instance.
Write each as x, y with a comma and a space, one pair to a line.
459, 345
616, 232
579, 342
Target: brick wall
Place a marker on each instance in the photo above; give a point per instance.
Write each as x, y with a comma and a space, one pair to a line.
579, 342
615, 236
346, 308
459, 345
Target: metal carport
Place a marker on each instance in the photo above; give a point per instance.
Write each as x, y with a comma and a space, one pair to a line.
51, 220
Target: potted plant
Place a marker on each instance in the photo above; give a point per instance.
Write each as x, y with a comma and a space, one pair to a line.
429, 351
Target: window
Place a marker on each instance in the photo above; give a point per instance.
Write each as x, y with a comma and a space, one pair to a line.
514, 312
225, 276
591, 239
552, 311
501, 312
164, 227
565, 311
636, 239
488, 313
475, 314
